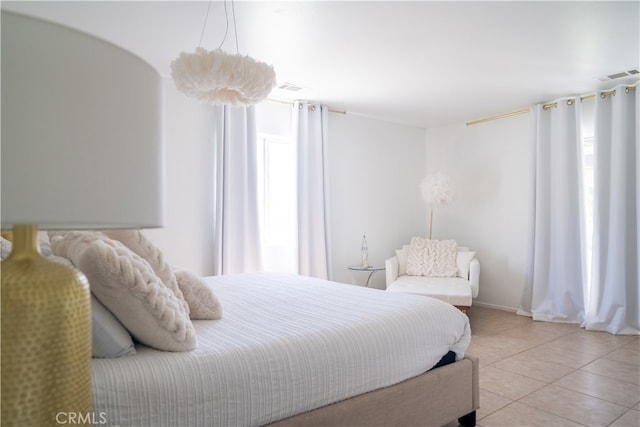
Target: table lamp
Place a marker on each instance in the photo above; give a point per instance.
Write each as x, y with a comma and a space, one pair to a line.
81, 149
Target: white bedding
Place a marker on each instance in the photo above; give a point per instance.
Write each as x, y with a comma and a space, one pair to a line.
285, 345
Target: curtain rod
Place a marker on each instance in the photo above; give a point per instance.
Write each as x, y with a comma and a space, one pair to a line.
284, 101
592, 96
499, 116
545, 106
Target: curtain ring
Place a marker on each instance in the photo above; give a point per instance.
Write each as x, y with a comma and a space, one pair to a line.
570, 101
300, 106
312, 107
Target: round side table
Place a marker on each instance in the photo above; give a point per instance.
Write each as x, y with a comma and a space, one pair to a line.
370, 268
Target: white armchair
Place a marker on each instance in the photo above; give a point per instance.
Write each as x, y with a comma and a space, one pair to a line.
458, 291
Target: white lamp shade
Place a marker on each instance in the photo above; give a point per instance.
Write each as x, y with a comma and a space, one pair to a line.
437, 189
81, 131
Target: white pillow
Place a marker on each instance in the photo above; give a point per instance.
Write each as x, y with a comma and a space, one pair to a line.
6, 248
129, 288
463, 259
203, 303
109, 338
43, 243
432, 258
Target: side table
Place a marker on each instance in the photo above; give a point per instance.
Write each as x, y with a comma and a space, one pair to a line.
370, 268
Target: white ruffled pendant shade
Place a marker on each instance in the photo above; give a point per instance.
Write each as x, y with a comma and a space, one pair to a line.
219, 78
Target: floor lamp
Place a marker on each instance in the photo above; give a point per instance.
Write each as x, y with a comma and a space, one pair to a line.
437, 190
81, 149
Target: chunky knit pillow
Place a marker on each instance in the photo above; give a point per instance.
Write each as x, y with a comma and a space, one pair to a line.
129, 288
432, 258
147, 250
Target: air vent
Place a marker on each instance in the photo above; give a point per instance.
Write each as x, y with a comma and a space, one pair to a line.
619, 75
290, 87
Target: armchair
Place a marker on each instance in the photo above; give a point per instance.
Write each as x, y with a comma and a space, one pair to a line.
458, 291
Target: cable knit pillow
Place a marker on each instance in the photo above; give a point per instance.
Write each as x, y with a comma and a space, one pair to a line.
147, 250
202, 301
129, 288
432, 258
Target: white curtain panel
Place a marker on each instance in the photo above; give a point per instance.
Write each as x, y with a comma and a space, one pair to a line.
614, 292
237, 233
310, 124
554, 289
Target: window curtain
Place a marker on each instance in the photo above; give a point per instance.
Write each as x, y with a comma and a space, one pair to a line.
613, 295
310, 127
554, 288
236, 230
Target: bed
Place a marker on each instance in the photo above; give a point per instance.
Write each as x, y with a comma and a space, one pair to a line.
270, 349
298, 351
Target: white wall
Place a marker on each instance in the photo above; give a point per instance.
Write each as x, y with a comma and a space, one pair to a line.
187, 238
375, 169
491, 166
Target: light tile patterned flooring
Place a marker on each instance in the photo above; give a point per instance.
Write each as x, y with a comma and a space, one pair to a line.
551, 374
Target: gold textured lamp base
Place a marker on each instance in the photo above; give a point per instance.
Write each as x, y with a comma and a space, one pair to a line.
46, 338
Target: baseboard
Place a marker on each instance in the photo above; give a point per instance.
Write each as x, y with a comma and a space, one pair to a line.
495, 306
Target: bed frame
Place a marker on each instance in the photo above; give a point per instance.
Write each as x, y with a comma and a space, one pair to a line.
434, 398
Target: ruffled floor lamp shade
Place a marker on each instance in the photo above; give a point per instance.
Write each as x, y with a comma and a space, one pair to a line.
81, 149
437, 190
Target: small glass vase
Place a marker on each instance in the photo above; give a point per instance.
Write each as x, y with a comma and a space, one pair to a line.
364, 253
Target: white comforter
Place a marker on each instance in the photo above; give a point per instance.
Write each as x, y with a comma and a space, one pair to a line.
285, 345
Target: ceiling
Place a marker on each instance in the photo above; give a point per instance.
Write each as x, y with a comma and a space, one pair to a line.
419, 63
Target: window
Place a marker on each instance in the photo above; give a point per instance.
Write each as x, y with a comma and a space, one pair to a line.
277, 202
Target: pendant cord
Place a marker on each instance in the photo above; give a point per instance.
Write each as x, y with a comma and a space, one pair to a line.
235, 28
204, 26
226, 28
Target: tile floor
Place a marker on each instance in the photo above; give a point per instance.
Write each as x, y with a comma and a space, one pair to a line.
550, 374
